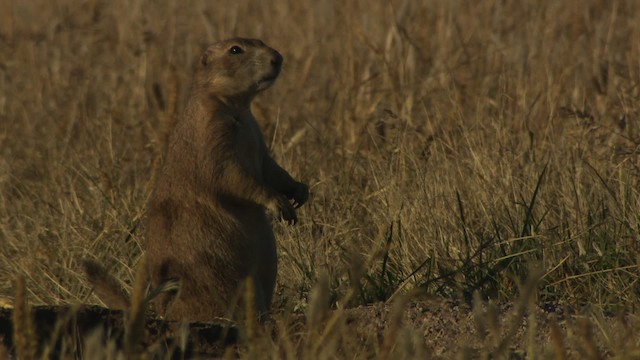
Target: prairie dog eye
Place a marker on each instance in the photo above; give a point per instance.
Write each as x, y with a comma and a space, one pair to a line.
235, 50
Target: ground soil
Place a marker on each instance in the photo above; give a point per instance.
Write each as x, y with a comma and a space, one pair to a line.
441, 328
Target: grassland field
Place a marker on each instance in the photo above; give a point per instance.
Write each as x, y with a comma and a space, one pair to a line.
452, 148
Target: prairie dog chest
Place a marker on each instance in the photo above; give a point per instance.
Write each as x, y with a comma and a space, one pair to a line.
250, 145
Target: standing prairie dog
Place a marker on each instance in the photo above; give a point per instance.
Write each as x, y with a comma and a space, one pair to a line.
207, 226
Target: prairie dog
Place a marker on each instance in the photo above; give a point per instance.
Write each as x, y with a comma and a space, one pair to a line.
207, 226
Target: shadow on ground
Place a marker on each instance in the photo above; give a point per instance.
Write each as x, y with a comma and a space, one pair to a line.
59, 329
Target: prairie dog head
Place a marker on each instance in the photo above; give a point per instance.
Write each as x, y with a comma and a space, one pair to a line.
237, 68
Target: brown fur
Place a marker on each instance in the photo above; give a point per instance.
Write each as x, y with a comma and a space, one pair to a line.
207, 225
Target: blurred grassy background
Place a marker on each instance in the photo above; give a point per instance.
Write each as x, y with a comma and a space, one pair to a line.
448, 145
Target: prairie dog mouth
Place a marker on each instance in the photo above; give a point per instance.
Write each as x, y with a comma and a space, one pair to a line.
272, 75
268, 79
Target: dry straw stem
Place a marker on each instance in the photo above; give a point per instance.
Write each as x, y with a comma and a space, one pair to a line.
24, 337
323, 327
250, 309
318, 302
95, 349
589, 347
59, 343
168, 104
524, 303
394, 327
487, 320
4, 353
135, 326
556, 340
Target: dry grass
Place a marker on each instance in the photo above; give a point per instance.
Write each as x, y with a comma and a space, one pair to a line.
448, 145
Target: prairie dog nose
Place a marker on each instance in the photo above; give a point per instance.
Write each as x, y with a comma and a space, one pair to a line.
276, 61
